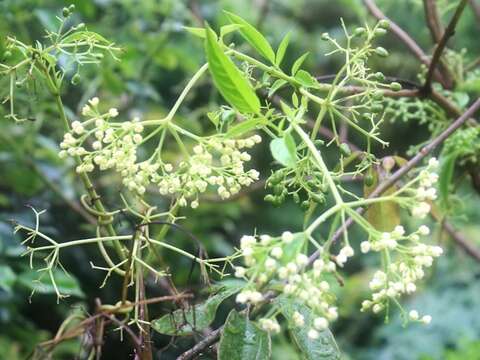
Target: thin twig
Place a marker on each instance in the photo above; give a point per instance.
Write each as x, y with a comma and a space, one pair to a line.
201, 345
433, 19
449, 32
475, 8
403, 36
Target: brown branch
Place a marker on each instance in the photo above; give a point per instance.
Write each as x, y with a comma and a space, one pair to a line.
404, 37
437, 30
461, 241
402, 171
201, 345
449, 32
475, 8
433, 19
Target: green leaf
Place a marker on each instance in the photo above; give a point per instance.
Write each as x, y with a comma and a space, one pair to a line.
231, 83
67, 285
293, 248
275, 86
385, 215
7, 278
282, 48
253, 36
284, 150
296, 65
242, 339
84, 36
304, 78
227, 29
243, 127
186, 322
202, 33
447, 168
323, 348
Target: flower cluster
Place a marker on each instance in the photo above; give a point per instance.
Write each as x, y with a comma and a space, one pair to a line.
401, 275
215, 161
425, 192
280, 261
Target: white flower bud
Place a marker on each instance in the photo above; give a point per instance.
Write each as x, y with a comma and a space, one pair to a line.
413, 315
424, 230
277, 252
313, 334
365, 246
113, 112
426, 319
320, 323
94, 101
287, 237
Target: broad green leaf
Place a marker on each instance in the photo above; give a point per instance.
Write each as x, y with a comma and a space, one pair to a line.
296, 65
282, 48
284, 150
304, 78
323, 348
275, 86
231, 83
242, 339
7, 278
447, 168
384, 216
253, 36
67, 285
185, 322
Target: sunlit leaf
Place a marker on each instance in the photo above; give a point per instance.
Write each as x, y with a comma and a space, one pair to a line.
284, 150
282, 48
229, 81
296, 65
253, 36
304, 78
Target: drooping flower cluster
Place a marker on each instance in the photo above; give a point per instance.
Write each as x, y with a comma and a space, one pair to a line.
215, 161
405, 256
426, 191
281, 262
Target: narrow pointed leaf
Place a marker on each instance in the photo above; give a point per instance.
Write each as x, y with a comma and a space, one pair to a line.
200, 32
254, 37
282, 48
296, 65
242, 339
229, 81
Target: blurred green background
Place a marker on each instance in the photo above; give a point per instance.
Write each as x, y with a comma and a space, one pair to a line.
158, 58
